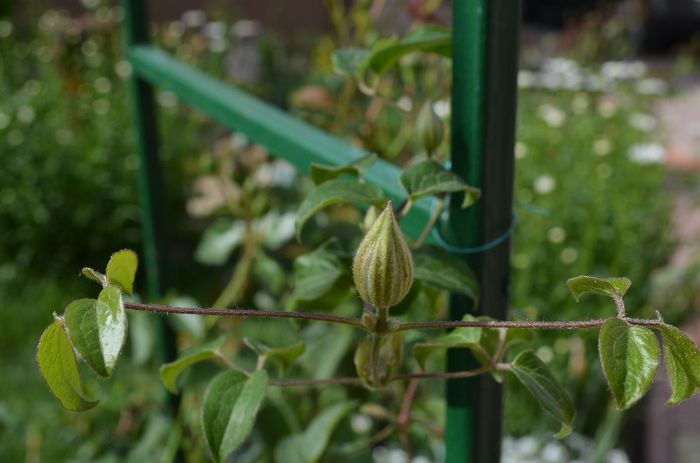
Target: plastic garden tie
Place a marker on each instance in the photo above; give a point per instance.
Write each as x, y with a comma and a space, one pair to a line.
435, 233
476, 249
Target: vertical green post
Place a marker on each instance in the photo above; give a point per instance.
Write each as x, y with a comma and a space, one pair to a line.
150, 180
485, 62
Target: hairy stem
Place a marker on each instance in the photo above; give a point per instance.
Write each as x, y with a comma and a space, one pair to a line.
244, 313
536, 325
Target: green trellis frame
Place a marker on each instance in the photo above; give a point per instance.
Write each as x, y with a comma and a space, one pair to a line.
485, 51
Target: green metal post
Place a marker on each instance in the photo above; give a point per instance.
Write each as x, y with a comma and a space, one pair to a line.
485, 53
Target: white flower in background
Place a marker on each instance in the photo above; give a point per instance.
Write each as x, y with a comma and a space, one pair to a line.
442, 108
520, 150
602, 146
103, 85
5, 28
167, 99
647, 153
360, 423
176, 29
526, 79
194, 18
607, 107
568, 255
652, 86
593, 83
580, 103
101, 106
521, 261
32, 87
405, 103
123, 69
551, 115
219, 45
642, 122
622, 70
214, 30
554, 452
545, 354
389, 455
545, 184
26, 114
90, 4
556, 235
4, 120
561, 66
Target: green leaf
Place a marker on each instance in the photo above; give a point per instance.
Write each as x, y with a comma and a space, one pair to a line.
350, 61
538, 380
629, 355
339, 190
97, 329
219, 240
59, 368
426, 39
121, 269
614, 288
430, 178
231, 404
94, 275
169, 372
682, 362
315, 273
465, 337
321, 173
284, 356
440, 269
308, 446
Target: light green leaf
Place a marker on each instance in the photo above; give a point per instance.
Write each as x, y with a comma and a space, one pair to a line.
59, 368
121, 269
169, 372
284, 356
315, 273
350, 61
426, 39
94, 275
465, 337
430, 178
629, 355
339, 190
97, 329
231, 404
321, 173
538, 380
614, 288
682, 362
218, 241
308, 446
443, 270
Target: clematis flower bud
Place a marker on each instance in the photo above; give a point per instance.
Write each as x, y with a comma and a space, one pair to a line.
383, 267
429, 128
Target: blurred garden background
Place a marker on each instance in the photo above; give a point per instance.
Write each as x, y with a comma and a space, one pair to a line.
607, 164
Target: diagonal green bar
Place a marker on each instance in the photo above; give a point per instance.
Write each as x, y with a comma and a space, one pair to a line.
283, 135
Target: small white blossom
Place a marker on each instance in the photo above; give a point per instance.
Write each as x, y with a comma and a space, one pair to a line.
26, 114
545, 184
5, 28
405, 103
568, 255
647, 153
556, 235
602, 147
194, 18
520, 150
442, 108
642, 122
551, 115
652, 86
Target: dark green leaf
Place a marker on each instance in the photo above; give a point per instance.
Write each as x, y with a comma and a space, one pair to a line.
339, 190
614, 288
321, 173
350, 61
308, 446
327, 345
426, 39
230, 407
682, 362
97, 329
59, 368
284, 356
537, 379
629, 355
315, 273
94, 275
121, 269
440, 269
465, 337
430, 178
171, 371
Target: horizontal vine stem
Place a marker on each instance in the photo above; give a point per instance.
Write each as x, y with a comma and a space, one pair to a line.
244, 313
535, 325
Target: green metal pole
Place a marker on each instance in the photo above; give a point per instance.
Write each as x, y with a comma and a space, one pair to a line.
485, 58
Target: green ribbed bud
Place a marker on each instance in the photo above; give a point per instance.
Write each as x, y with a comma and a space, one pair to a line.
429, 128
383, 267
